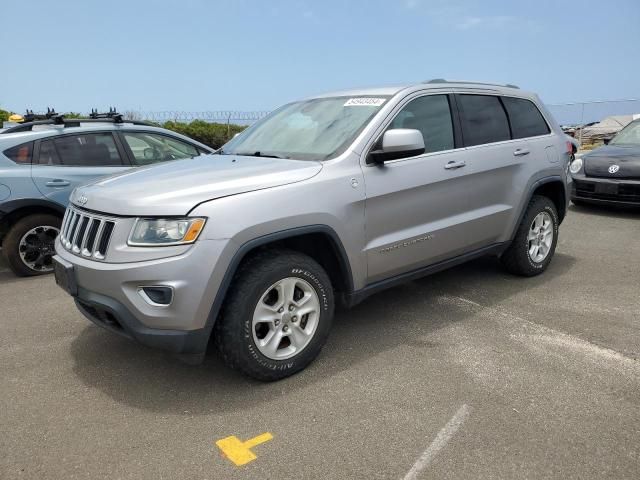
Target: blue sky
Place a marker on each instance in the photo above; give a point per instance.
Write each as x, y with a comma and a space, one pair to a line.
197, 55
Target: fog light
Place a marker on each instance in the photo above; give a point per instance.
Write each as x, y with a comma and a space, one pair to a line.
158, 296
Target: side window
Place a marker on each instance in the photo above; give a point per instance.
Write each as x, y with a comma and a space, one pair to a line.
148, 148
432, 116
20, 153
483, 120
48, 154
526, 120
86, 150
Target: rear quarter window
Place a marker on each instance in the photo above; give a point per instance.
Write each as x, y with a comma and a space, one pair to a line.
526, 120
21, 154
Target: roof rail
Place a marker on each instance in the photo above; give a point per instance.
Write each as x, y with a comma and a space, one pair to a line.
442, 80
58, 119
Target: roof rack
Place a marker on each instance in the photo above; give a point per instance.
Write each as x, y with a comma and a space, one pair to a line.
442, 80
53, 118
110, 114
29, 116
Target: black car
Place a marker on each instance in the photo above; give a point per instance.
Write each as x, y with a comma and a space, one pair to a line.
610, 174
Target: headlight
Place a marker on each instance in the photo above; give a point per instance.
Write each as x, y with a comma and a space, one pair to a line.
576, 165
157, 232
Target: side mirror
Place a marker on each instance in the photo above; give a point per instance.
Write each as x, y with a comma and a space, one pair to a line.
398, 143
149, 153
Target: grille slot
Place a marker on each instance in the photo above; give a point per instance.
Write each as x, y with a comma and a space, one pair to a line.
626, 192
91, 236
86, 234
104, 239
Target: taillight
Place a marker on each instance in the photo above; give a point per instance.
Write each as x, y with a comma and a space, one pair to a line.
569, 147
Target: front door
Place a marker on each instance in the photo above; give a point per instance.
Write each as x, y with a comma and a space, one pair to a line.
417, 207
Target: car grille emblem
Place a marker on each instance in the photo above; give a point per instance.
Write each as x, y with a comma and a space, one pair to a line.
614, 168
81, 200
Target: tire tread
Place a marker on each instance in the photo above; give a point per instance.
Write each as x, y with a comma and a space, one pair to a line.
516, 258
228, 337
11, 241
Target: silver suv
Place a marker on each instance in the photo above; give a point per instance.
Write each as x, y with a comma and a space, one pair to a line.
326, 200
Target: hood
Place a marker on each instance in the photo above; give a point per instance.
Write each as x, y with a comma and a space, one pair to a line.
174, 188
627, 158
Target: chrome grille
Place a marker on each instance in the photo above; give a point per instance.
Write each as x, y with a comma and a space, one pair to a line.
86, 234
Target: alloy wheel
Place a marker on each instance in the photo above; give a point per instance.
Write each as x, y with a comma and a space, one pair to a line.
36, 248
540, 237
285, 318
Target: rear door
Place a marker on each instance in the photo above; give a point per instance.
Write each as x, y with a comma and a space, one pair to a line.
66, 161
528, 123
496, 166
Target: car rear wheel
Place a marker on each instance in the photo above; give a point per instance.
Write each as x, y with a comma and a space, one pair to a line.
277, 315
28, 247
535, 242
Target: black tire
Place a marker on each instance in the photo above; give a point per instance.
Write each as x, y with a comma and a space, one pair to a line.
233, 333
516, 258
11, 244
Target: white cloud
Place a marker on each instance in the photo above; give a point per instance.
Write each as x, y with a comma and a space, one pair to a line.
496, 21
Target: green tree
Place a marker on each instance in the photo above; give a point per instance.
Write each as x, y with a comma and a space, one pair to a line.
4, 115
213, 134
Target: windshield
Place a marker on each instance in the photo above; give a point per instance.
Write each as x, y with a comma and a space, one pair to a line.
629, 135
317, 129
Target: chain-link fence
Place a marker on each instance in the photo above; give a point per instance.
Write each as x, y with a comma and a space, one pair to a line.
571, 113
595, 122
590, 122
581, 113
219, 116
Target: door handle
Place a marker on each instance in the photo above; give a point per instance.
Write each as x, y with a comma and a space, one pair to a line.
521, 152
58, 183
451, 165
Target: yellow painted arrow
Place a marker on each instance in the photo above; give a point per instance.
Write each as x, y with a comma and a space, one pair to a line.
240, 452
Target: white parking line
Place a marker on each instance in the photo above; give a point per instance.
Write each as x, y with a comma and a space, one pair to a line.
439, 442
536, 335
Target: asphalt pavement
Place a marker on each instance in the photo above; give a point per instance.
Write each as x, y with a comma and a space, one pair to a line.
470, 373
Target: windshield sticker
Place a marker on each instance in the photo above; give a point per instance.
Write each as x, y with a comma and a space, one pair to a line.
365, 102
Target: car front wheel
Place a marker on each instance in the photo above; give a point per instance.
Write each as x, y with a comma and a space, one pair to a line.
28, 247
277, 315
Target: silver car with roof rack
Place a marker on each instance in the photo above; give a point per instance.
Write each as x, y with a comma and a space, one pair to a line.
45, 157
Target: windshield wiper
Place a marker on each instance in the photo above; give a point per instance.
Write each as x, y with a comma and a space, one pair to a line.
259, 154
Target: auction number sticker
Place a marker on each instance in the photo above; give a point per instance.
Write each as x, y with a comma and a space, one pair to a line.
365, 102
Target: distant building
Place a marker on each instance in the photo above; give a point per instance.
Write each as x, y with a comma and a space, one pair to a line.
607, 128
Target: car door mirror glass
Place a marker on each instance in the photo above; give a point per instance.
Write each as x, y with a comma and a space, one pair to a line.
149, 153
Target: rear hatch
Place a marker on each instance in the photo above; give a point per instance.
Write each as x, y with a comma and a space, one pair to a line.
613, 161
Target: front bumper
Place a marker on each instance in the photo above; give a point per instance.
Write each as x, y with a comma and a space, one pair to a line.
108, 295
112, 315
606, 191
